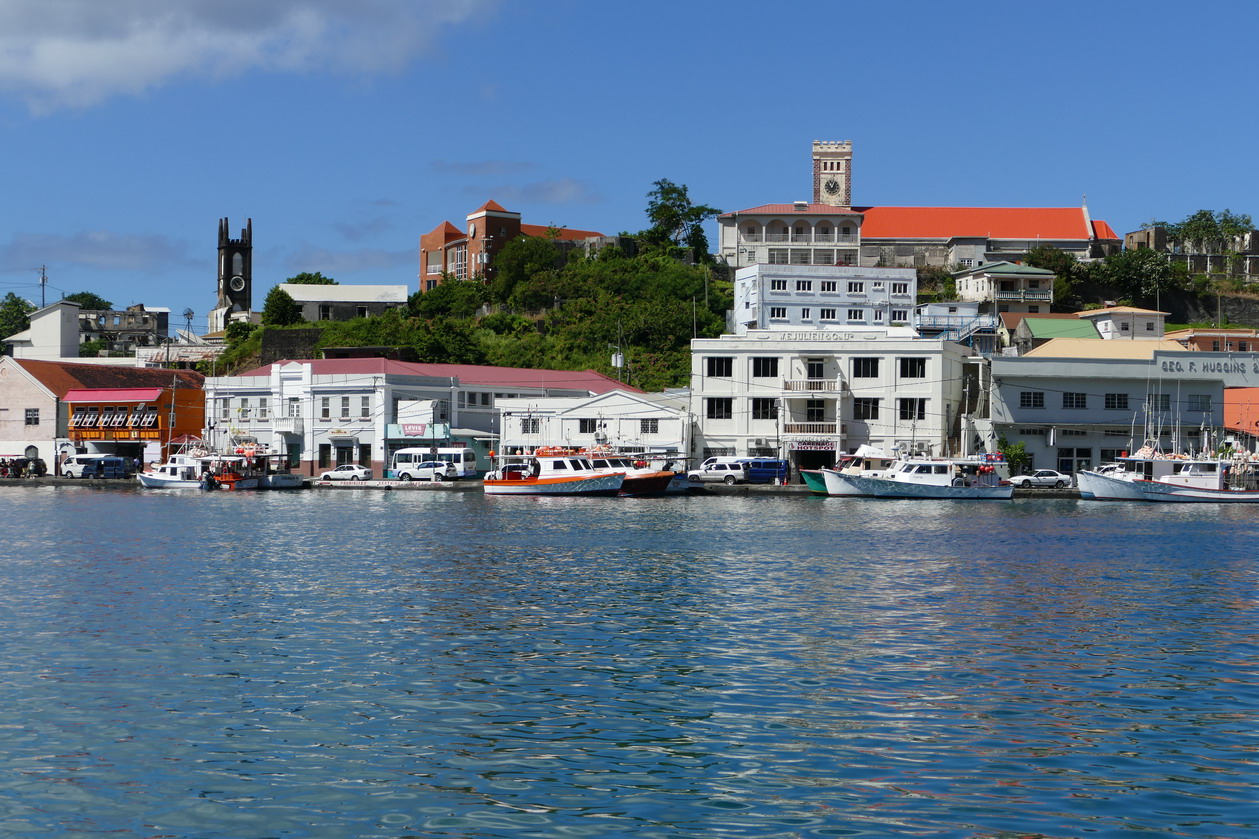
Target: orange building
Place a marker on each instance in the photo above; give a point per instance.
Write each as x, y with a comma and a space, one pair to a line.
1241, 410
469, 253
129, 420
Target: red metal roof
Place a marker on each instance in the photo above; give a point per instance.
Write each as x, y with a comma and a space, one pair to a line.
474, 375
979, 222
1051, 223
114, 394
540, 231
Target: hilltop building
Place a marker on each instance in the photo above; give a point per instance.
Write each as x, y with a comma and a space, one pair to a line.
830, 230
469, 252
235, 278
344, 302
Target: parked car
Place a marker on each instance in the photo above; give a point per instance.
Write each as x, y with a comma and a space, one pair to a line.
727, 473
79, 465
1042, 478
428, 470
347, 472
767, 470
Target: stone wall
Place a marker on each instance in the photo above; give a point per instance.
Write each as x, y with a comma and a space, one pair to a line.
281, 344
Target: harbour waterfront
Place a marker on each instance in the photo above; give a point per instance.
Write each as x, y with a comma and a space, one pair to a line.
453, 665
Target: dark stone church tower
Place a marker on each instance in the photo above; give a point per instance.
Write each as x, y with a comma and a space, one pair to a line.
236, 281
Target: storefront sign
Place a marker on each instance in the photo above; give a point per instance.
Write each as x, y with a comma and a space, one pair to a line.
811, 445
414, 429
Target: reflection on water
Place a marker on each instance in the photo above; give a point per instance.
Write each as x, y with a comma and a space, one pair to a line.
356, 664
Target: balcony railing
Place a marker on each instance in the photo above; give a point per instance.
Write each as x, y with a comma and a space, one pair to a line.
799, 238
813, 385
1023, 295
287, 425
809, 429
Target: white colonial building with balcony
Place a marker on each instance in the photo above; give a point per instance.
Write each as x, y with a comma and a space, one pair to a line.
808, 395
1007, 287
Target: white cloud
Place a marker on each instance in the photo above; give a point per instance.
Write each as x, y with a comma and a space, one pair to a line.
97, 249
57, 53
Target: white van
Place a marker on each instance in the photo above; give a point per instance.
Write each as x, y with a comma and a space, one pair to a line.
76, 464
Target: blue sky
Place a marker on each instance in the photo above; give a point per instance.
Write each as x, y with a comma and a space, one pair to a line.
347, 130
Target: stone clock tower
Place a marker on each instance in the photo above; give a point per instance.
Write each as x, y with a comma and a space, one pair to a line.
832, 173
235, 285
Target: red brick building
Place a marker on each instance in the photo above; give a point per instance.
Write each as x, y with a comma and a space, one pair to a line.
469, 253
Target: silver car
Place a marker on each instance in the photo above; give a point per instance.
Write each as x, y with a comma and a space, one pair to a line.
1042, 478
726, 473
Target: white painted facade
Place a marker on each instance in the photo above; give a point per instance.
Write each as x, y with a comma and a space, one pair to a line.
1127, 323
52, 336
826, 297
628, 421
808, 395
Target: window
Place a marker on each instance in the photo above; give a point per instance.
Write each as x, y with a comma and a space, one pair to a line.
1116, 401
1033, 310
1123, 327
1075, 401
865, 368
815, 410
856, 287
649, 426
900, 316
264, 407
804, 285
295, 407
806, 313
32, 416
365, 407
586, 426
325, 407
1031, 399
1149, 327
764, 408
966, 263
900, 288
360, 311
878, 315
829, 285
913, 368
827, 314
325, 312
777, 312
865, 408
912, 409
857, 314
1215, 346
1161, 402
530, 425
1242, 346
720, 407
244, 409
345, 406
1200, 402
777, 285
764, 368
720, 366
225, 409
778, 256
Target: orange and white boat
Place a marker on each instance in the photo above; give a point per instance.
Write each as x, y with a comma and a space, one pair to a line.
640, 477
549, 471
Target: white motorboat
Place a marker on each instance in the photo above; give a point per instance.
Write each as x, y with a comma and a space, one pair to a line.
866, 461
1151, 476
640, 477
181, 471
972, 478
549, 471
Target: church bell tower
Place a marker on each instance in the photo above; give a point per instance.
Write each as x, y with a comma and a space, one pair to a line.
235, 285
832, 173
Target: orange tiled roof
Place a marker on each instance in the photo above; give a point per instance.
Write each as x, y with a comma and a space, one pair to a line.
1102, 230
491, 206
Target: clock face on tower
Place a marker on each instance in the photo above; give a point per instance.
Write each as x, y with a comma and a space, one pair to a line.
831, 187
237, 283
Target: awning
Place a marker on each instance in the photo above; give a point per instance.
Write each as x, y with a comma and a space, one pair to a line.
114, 394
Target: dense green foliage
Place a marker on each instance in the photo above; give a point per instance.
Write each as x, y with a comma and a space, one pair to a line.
306, 278
675, 221
89, 300
1206, 231
548, 312
15, 314
280, 309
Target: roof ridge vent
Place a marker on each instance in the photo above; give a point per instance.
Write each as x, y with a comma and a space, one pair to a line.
802, 205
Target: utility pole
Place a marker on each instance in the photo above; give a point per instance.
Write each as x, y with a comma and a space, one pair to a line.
43, 283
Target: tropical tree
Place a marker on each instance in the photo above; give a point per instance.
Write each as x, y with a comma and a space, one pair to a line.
280, 309
676, 221
15, 314
1207, 231
458, 298
311, 279
89, 300
1141, 273
1067, 269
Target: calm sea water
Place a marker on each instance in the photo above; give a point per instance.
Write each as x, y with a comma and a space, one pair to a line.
429, 664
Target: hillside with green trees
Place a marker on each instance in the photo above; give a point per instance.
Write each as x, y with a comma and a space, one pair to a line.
548, 308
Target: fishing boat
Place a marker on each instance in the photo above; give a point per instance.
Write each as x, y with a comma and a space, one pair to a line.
549, 471
180, 471
814, 480
1149, 475
866, 461
969, 479
640, 477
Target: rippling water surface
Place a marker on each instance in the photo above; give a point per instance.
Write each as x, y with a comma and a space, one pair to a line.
363, 664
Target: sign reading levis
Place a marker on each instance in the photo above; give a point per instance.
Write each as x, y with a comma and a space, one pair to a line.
414, 429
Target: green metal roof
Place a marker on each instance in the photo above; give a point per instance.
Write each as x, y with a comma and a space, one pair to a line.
1060, 328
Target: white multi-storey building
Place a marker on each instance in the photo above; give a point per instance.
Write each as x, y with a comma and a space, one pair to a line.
630, 422
822, 297
807, 395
